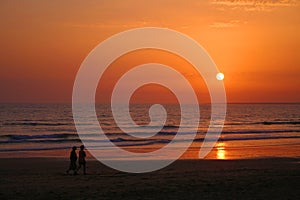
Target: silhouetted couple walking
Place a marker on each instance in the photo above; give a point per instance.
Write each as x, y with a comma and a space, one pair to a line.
81, 160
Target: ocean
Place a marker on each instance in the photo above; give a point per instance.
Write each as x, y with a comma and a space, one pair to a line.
250, 131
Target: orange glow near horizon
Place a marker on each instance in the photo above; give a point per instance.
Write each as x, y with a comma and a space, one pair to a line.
255, 44
151, 93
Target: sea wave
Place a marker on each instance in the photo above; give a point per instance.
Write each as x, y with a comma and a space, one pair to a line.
280, 122
161, 133
30, 123
132, 141
263, 123
252, 138
260, 131
47, 136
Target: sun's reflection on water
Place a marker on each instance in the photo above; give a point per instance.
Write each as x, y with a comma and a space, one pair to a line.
221, 152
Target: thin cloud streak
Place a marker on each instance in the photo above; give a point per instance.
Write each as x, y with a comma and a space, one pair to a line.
230, 24
254, 5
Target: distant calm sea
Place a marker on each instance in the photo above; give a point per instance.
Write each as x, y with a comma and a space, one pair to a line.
251, 130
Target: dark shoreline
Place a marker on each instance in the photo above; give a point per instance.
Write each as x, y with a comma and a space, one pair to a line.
45, 178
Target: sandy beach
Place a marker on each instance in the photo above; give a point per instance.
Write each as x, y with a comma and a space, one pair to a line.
45, 178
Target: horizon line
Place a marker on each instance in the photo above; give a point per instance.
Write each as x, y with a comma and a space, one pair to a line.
296, 102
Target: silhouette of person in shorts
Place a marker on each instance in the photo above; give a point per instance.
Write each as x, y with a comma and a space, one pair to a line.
73, 159
81, 159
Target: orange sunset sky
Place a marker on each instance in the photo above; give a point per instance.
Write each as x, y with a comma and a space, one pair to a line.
255, 43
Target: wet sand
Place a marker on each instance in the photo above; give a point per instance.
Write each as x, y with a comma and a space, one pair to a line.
45, 178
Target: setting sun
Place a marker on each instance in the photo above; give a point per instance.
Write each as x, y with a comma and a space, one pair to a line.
220, 76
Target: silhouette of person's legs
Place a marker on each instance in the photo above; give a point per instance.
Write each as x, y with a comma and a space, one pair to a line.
84, 167
72, 167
